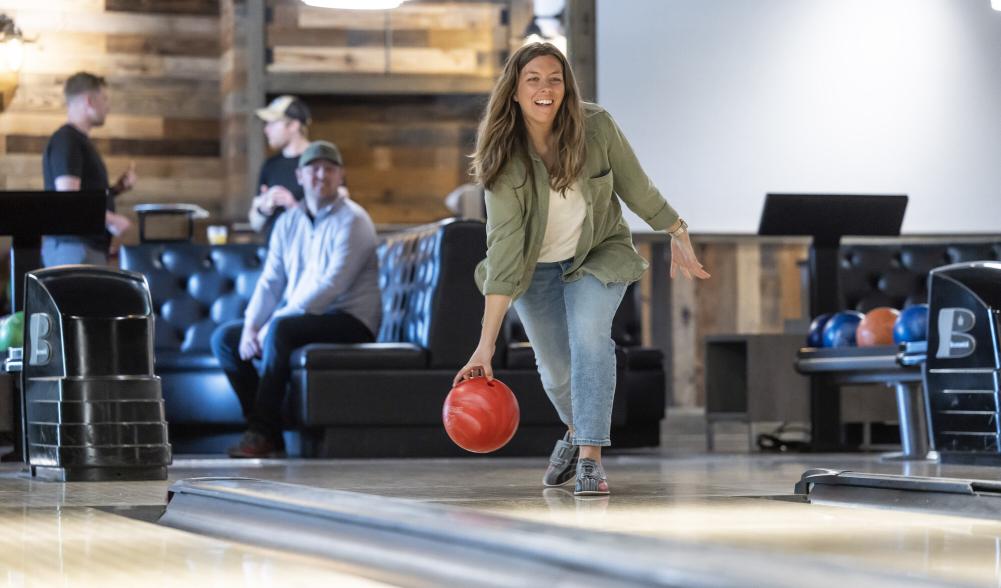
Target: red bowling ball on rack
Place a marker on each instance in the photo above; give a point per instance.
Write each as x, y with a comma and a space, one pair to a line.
876, 327
480, 416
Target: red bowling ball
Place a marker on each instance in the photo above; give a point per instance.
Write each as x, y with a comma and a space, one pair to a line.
877, 327
480, 416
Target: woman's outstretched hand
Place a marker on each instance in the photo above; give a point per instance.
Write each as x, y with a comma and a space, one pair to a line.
478, 365
683, 258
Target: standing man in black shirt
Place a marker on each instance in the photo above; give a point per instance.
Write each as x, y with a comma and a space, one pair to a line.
286, 124
71, 163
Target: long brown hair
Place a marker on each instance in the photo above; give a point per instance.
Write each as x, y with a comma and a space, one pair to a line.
502, 132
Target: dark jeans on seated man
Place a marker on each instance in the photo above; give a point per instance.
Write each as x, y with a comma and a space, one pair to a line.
262, 393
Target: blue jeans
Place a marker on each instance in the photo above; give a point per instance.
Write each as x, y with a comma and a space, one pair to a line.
262, 393
570, 327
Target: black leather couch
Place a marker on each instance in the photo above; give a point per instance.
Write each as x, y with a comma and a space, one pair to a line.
373, 400
194, 289
895, 272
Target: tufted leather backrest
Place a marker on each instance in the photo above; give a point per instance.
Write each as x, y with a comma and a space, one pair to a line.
195, 288
429, 297
896, 273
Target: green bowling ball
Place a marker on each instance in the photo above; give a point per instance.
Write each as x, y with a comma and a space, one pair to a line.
4, 334
12, 331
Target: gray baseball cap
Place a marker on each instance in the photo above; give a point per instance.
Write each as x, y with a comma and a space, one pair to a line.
321, 150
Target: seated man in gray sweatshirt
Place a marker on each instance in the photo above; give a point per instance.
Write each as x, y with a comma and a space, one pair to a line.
320, 284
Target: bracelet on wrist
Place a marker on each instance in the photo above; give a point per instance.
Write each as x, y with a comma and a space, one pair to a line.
682, 227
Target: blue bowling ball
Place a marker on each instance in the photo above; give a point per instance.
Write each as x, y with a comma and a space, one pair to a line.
911, 325
815, 338
840, 329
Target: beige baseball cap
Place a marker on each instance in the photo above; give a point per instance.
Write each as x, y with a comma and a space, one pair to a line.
286, 106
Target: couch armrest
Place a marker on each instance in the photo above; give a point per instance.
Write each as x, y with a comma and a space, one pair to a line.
360, 356
168, 360
644, 358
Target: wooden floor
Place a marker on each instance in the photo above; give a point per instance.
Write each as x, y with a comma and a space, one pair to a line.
84, 546
75, 534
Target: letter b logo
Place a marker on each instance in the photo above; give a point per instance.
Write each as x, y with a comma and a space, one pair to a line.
39, 327
954, 340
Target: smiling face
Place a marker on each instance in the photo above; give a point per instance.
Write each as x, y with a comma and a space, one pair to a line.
319, 180
540, 90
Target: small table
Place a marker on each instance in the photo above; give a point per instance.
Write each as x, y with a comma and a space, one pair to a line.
191, 211
750, 378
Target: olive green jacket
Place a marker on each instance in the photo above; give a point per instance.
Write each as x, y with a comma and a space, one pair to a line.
517, 210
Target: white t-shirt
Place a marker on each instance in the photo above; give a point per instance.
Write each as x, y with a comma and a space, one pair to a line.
566, 217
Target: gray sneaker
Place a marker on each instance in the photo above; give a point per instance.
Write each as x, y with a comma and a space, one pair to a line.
591, 479
561, 463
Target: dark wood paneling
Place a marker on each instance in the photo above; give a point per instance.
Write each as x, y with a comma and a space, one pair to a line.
279, 36
376, 84
116, 146
402, 154
195, 7
163, 97
426, 39
177, 128
582, 45
163, 45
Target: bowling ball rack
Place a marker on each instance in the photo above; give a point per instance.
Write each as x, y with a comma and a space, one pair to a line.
899, 367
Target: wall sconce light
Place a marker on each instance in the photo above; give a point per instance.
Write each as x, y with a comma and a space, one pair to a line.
12, 42
355, 4
548, 29
533, 33
11, 57
996, 4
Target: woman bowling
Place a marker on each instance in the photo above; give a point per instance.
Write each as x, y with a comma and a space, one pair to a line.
558, 246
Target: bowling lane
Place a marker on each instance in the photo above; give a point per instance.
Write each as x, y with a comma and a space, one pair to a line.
694, 501
731, 501
914, 545
739, 501
85, 547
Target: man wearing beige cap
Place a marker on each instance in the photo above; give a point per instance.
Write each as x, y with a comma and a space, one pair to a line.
319, 284
286, 123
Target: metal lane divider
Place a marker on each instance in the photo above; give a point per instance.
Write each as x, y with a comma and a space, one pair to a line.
420, 544
958, 497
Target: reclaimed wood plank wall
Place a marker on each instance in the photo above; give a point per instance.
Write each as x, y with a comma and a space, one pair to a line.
241, 92
400, 92
402, 154
423, 38
755, 288
161, 60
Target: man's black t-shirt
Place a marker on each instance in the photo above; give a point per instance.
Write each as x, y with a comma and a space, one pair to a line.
69, 152
279, 170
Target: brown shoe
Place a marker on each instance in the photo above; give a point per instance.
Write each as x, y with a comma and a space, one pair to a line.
254, 444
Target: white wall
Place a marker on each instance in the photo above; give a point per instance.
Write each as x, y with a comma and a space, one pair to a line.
725, 100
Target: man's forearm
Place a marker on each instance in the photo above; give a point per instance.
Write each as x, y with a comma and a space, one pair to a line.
267, 295
257, 218
67, 184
